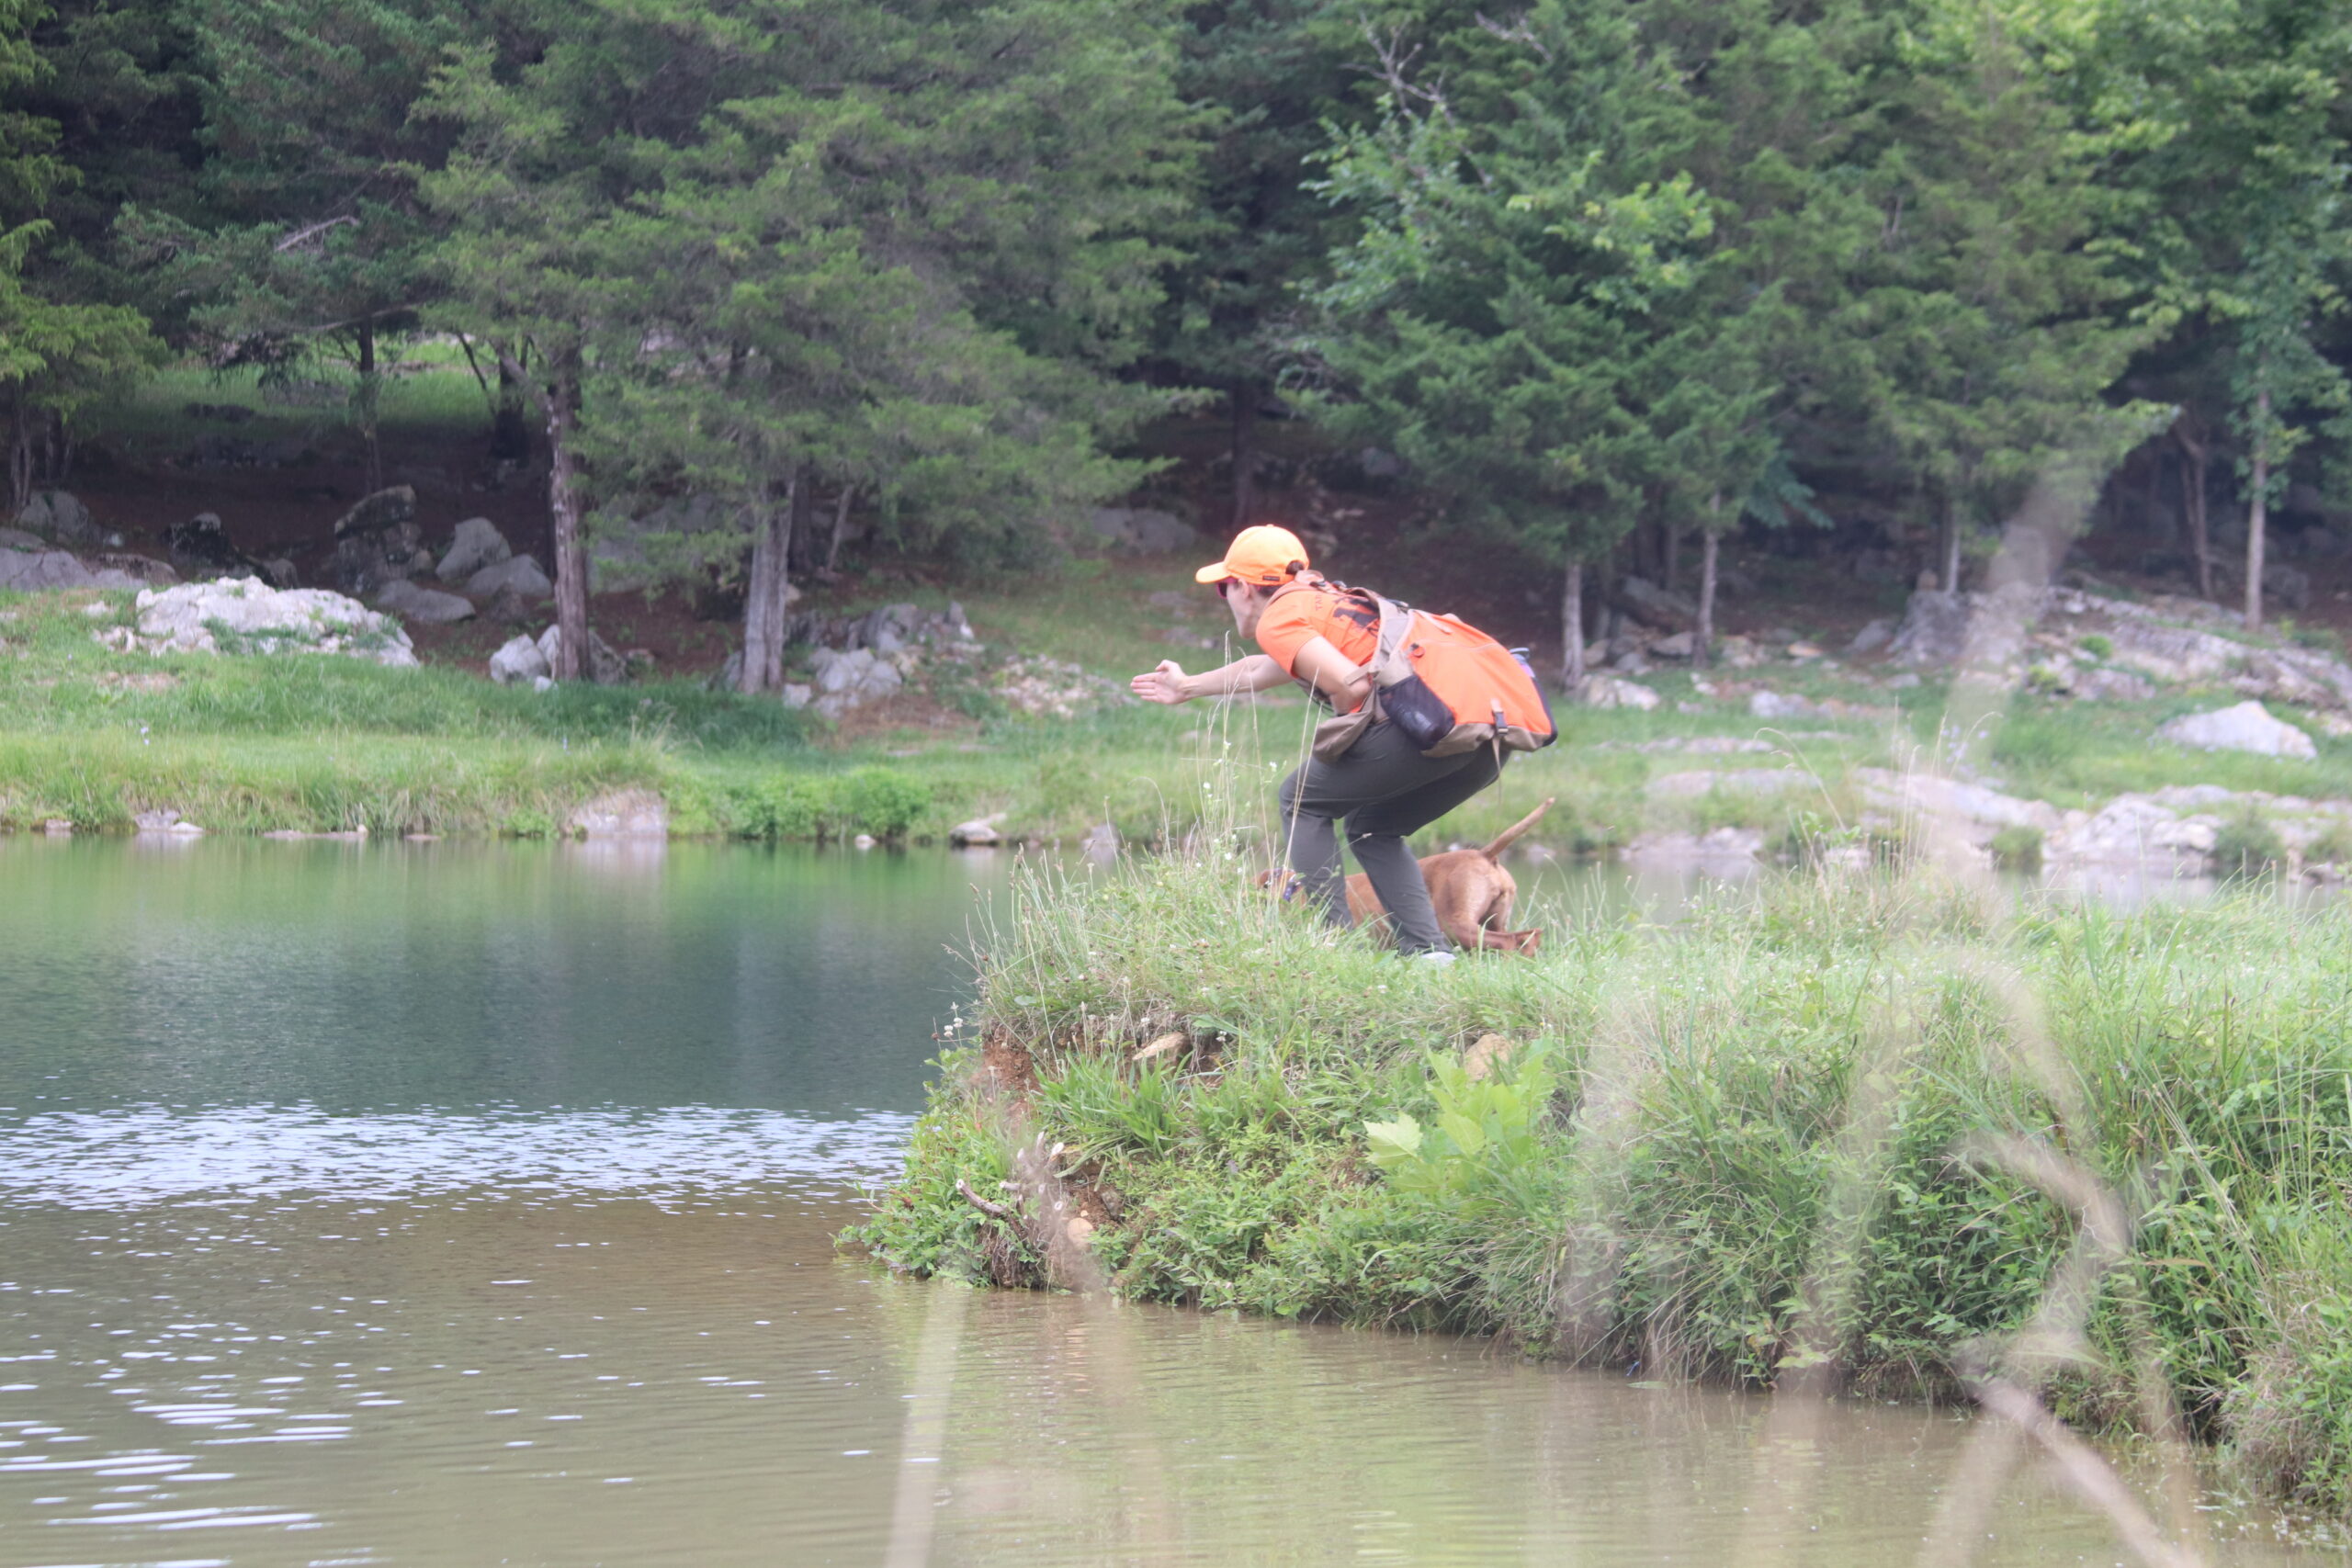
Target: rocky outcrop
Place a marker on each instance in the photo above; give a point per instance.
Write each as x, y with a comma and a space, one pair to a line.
200, 549
1050, 688
378, 541
428, 605
518, 659
59, 517
606, 668
478, 544
853, 679
2248, 726
622, 814
250, 617
31, 570
1729, 781
518, 577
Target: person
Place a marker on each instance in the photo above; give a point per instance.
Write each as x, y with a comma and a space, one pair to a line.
1383, 787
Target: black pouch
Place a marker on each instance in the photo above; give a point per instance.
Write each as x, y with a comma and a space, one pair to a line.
1420, 714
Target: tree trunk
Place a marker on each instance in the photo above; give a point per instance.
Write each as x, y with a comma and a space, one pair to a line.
1670, 539
1572, 628
841, 527
2192, 510
20, 458
1244, 397
764, 605
1951, 548
563, 514
366, 400
2258, 515
1702, 637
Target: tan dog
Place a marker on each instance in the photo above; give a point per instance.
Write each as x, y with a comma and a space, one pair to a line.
1470, 893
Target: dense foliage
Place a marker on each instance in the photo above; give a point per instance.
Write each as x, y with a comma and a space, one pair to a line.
1604, 277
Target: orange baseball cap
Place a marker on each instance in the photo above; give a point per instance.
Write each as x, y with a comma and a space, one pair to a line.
1263, 556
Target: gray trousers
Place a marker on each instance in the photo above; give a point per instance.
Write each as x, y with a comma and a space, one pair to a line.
1383, 788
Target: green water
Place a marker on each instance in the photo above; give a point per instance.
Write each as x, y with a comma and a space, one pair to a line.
435, 1205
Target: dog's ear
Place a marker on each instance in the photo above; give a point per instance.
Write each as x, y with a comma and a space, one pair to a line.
1264, 879
1527, 943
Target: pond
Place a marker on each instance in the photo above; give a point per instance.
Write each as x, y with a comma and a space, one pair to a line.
439, 1204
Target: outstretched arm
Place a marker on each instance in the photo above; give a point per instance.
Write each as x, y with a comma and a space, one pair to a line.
1169, 685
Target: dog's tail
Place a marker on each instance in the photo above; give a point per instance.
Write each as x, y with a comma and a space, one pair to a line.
1504, 839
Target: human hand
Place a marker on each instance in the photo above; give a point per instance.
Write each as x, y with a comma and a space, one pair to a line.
1165, 685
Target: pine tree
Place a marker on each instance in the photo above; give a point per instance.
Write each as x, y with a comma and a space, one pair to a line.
57, 352
1523, 232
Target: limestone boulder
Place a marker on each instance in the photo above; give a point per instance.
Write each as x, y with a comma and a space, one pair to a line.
2248, 726
249, 616
518, 658
605, 667
478, 544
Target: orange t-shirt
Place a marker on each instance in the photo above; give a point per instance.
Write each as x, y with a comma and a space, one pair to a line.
1298, 615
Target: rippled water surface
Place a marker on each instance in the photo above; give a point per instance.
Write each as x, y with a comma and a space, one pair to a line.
426, 1205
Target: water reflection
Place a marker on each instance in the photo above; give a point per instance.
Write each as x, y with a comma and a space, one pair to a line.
427, 1204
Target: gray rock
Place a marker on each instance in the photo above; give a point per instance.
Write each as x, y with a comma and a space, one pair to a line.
378, 541
429, 605
478, 544
382, 511
1872, 637
978, 833
1678, 646
623, 814
30, 571
1724, 848
250, 616
59, 517
17, 539
1100, 844
1376, 464
518, 658
2248, 726
1778, 705
1140, 530
2288, 585
1659, 606
606, 668
641, 552
851, 680
797, 695
519, 575
1610, 691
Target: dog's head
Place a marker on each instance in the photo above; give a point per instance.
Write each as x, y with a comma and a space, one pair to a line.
1279, 881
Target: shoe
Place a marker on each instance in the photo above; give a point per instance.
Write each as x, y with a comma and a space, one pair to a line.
1435, 958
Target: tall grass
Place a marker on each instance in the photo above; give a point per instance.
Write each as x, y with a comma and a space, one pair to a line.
1807, 1134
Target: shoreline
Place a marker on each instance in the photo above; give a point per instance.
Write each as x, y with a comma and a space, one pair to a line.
1848, 1138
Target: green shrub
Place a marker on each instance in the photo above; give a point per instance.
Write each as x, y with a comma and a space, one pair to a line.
1485, 1139
2247, 845
879, 801
2098, 647
2017, 848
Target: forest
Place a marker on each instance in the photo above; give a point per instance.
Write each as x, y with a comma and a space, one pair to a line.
1600, 282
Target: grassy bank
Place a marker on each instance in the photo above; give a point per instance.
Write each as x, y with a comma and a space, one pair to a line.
1866, 1131
94, 736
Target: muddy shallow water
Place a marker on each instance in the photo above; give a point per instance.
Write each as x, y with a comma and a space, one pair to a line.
433, 1205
